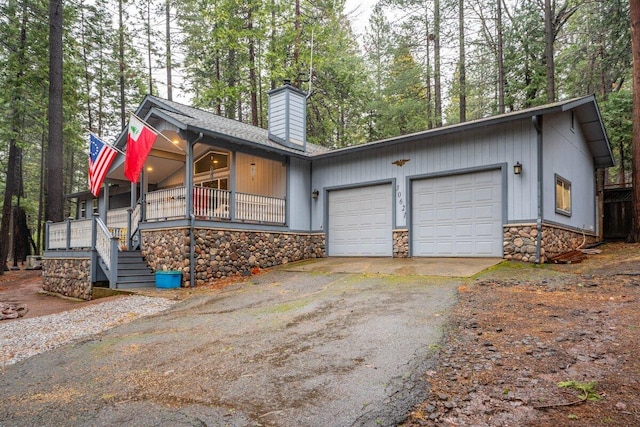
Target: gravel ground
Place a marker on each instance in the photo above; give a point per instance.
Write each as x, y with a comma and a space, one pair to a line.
21, 339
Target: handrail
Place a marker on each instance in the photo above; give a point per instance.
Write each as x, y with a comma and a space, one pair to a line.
107, 248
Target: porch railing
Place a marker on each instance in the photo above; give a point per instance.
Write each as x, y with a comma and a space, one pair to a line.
166, 204
214, 204
117, 220
69, 234
208, 203
251, 207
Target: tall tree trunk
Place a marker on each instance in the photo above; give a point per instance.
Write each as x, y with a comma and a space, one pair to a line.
272, 42
548, 51
296, 46
635, 168
54, 196
501, 108
85, 64
149, 59
12, 161
436, 63
462, 69
43, 153
168, 53
428, 77
123, 119
252, 71
218, 77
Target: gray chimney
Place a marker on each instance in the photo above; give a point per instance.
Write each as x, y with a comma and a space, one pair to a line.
288, 116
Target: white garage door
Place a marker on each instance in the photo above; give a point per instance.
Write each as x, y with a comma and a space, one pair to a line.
360, 221
459, 215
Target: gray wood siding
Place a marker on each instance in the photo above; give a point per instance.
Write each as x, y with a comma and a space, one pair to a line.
270, 176
508, 142
565, 153
296, 119
299, 201
277, 115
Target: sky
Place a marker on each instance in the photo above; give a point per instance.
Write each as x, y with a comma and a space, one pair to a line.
358, 12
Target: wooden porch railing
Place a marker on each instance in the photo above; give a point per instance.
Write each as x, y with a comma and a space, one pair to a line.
214, 204
208, 203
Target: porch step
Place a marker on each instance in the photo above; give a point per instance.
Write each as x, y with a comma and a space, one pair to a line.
133, 271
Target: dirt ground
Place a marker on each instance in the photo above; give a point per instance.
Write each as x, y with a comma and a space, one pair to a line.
25, 287
518, 332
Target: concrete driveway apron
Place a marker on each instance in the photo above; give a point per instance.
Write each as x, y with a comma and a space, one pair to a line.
287, 348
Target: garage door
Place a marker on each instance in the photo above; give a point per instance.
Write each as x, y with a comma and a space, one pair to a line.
459, 215
360, 221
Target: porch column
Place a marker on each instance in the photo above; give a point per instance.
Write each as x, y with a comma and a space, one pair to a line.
232, 188
188, 180
134, 195
103, 203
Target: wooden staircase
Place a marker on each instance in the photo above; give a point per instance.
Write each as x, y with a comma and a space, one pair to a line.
133, 271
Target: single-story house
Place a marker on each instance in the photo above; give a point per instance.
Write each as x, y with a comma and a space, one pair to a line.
219, 197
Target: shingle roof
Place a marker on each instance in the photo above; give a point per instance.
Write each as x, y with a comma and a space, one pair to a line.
212, 124
208, 123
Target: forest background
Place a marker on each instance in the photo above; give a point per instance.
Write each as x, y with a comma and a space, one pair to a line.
418, 65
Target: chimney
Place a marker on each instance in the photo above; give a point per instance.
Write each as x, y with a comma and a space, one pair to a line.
288, 116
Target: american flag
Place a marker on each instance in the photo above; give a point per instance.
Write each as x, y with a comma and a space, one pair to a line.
101, 156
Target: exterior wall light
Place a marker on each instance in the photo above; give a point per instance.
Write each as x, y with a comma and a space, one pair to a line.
517, 168
315, 194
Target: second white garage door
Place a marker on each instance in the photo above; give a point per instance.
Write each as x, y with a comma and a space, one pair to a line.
360, 221
459, 215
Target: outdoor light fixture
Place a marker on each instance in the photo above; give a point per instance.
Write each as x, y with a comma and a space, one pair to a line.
253, 170
517, 168
315, 194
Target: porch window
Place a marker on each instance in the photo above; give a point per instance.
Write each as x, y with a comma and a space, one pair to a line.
563, 196
218, 184
212, 162
83, 209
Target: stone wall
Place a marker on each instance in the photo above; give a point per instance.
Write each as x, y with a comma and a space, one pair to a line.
69, 277
401, 243
224, 253
520, 241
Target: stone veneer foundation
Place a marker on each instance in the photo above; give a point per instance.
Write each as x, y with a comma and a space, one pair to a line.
223, 253
69, 276
520, 241
401, 243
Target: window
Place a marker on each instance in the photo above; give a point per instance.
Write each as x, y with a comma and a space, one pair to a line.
212, 162
83, 209
219, 184
563, 196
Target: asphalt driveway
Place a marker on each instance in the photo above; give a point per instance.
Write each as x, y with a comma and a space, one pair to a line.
287, 348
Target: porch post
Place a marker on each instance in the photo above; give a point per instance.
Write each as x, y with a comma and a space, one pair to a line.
143, 196
129, 235
68, 243
232, 188
188, 181
46, 235
134, 195
103, 203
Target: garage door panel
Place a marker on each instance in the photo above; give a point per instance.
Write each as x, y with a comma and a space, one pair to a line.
360, 221
465, 221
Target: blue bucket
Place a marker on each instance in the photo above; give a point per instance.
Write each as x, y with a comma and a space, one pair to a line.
168, 279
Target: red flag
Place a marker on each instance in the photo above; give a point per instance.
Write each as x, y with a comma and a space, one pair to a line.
101, 156
139, 143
